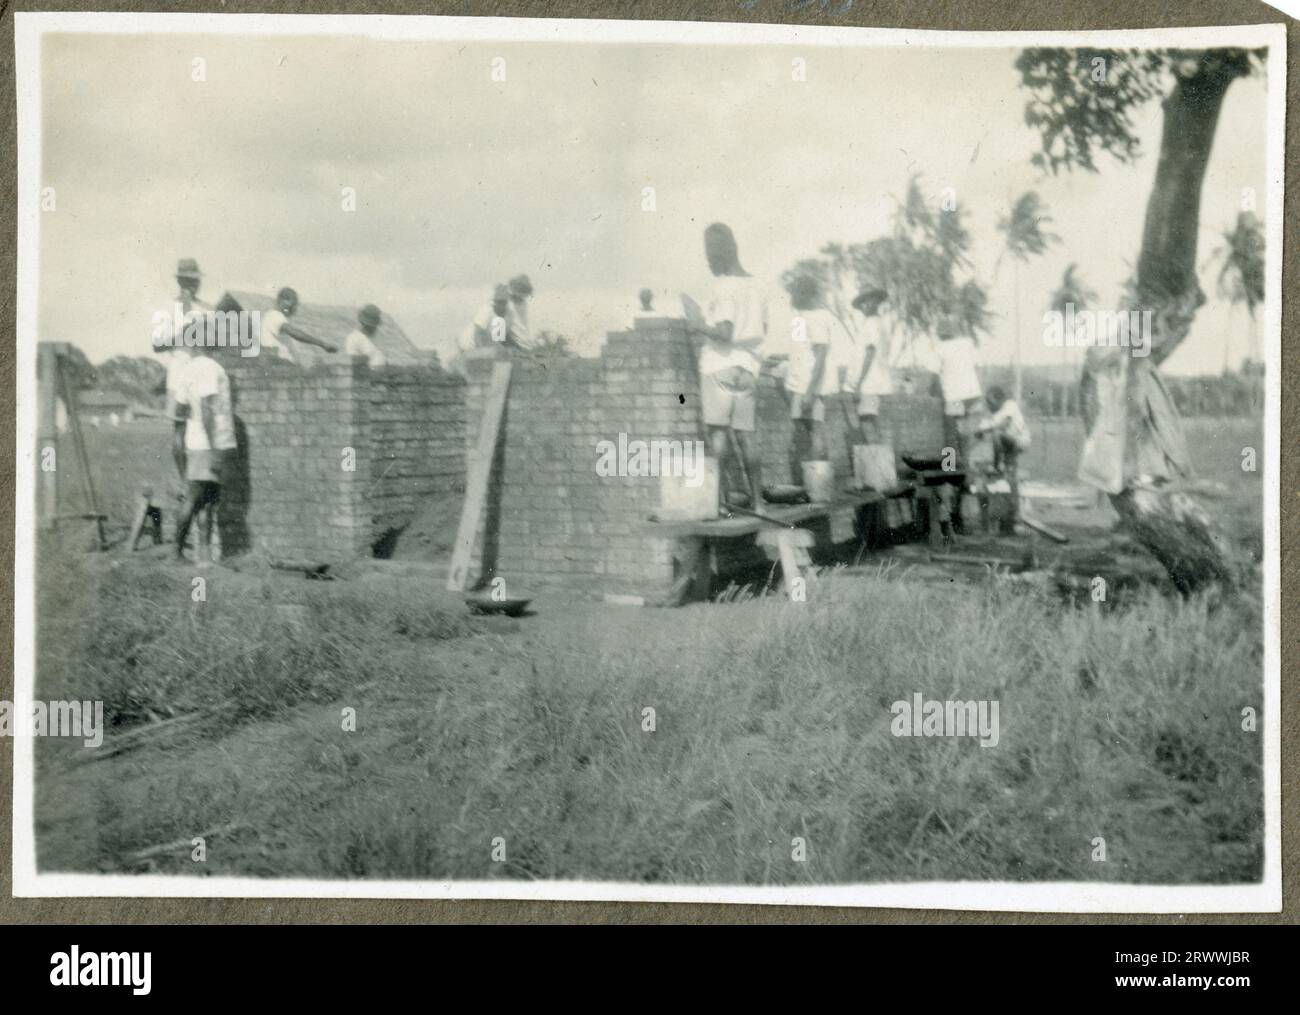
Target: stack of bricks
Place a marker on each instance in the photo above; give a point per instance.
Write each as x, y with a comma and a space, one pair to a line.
332, 458
549, 516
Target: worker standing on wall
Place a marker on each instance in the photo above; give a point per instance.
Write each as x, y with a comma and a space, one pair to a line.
276, 324
489, 328
733, 330
360, 342
491, 324
209, 425
521, 291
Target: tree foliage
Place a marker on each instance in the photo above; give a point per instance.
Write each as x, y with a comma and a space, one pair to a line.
1083, 101
1241, 260
923, 266
1072, 290
1024, 228
138, 377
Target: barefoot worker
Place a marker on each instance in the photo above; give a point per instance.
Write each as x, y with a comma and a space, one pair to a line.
209, 437
733, 330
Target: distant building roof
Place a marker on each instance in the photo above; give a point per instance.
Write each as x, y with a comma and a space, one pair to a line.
333, 324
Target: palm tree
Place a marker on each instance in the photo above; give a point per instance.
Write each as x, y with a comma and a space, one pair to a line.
1024, 237
922, 265
1072, 290
1241, 271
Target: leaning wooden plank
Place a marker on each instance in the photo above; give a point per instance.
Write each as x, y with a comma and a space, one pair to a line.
480, 474
1047, 530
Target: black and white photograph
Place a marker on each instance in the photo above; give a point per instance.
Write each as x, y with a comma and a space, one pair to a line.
508, 458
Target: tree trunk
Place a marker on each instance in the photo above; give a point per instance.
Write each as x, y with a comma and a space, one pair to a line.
1176, 530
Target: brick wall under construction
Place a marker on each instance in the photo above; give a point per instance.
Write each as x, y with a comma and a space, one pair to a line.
289, 494
911, 422
550, 517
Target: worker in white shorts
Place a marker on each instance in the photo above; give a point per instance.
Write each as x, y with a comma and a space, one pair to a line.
167, 342
206, 407
819, 343
875, 378
962, 393
733, 332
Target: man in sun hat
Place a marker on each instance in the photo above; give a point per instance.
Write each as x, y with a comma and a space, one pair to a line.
169, 343
361, 341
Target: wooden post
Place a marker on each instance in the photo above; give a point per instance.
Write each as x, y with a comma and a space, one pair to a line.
47, 431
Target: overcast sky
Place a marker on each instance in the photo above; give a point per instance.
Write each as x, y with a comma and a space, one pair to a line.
462, 181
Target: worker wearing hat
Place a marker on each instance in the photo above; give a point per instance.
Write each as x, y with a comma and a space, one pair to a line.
361, 341
167, 342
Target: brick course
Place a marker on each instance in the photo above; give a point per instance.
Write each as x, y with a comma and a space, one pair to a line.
288, 496
550, 516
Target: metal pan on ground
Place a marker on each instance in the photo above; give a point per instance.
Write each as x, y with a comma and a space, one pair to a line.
482, 604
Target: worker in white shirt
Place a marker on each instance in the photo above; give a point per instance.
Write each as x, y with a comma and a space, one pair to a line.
491, 325
962, 392
209, 426
488, 328
1010, 434
733, 331
818, 343
875, 377
166, 341
275, 325
361, 341
521, 291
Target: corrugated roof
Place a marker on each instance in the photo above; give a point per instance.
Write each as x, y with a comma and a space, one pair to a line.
333, 324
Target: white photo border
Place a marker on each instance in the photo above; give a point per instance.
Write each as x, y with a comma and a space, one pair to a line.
1054, 897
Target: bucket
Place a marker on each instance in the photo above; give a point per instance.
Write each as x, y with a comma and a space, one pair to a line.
873, 466
679, 501
819, 481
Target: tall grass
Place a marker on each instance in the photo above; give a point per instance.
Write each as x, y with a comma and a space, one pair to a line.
772, 721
